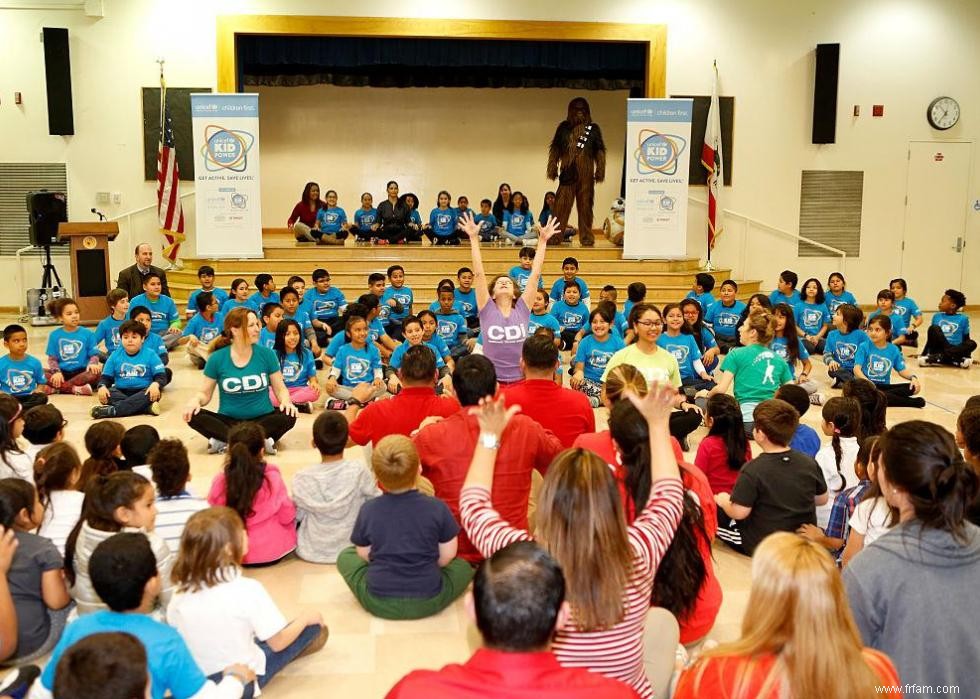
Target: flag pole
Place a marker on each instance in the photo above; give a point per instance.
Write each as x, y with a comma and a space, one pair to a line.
713, 160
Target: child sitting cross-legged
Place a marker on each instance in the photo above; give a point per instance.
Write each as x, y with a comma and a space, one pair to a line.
226, 618
132, 378
73, 357
403, 563
171, 471
56, 472
298, 367
206, 324
21, 375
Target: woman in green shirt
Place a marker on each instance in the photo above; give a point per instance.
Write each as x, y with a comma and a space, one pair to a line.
243, 373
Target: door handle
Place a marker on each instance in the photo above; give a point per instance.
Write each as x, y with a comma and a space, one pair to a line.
960, 244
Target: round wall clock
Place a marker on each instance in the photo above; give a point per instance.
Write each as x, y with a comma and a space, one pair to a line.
943, 113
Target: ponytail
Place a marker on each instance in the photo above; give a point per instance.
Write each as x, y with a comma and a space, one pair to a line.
845, 415
630, 432
682, 570
54, 468
873, 405
244, 467
236, 318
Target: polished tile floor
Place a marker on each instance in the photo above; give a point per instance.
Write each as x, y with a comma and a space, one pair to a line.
366, 656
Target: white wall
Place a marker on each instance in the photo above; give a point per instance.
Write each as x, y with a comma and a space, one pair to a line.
900, 53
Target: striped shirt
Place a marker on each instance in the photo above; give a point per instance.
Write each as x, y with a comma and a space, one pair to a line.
616, 652
172, 515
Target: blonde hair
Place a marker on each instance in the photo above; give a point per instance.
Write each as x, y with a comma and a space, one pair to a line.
622, 378
764, 323
395, 462
797, 611
210, 547
581, 523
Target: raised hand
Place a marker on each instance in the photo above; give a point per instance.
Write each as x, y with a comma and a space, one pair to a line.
493, 414
549, 229
657, 405
469, 226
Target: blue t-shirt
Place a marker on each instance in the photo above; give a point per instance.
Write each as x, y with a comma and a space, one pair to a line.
521, 275
595, 355
451, 328
357, 365
545, 320
72, 349
325, 306
233, 303
812, 317
375, 331
258, 301
399, 354
779, 297
170, 664
543, 218
331, 220
402, 295
833, 301
706, 299
685, 350
955, 326
877, 362
22, 376
163, 311
842, 348
908, 308
220, 295
558, 289
518, 223
806, 440
301, 317
107, 332
404, 531
243, 391
133, 371
267, 338
442, 349
487, 223
415, 217
203, 329
364, 219
707, 339
778, 345
899, 324
155, 343
724, 319
466, 303
570, 317
443, 221
296, 371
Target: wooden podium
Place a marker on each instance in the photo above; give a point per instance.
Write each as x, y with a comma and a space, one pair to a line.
89, 265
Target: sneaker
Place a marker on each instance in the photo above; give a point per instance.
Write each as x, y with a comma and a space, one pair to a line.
99, 412
304, 407
317, 643
918, 403
270, 446
816, 399
17, 683
155, 408
928, 359
967, 361
216, 446
85, 390
336, 404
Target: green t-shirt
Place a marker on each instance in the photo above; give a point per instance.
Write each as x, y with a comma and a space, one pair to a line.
759, 372
660, 366
243, 391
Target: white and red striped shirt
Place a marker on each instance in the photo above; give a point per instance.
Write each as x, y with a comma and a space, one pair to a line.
616, 652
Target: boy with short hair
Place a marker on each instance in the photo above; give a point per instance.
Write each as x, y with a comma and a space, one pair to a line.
164, 319
271, 315
948, 339
107, 331
136, 445
786, 289
324, 303
451, 323
569, 271
465, 296
570, 312
205, 274
43, 425
265, 291
403, 296
403, 563
132, 378
805, 439
779, 490
636, 293
202, 328
102, 666
124, 574
329, 495
704, 283
487, 221
376, 286
21, 375
886, 301
907, 308
171, 472
142, 315
298, 283
522, 272
723, 316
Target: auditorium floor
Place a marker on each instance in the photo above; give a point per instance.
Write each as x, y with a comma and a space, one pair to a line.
366, 656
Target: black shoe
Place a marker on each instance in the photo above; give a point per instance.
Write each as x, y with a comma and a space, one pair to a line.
18, 682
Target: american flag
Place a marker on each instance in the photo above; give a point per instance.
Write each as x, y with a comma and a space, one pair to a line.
711, 158
168, 182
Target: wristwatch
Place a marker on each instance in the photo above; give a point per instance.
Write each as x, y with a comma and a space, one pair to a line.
488, 440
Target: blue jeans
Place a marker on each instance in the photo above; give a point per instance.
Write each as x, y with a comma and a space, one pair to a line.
276, 661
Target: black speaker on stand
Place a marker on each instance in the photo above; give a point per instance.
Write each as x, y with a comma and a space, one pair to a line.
825, 93
46, 210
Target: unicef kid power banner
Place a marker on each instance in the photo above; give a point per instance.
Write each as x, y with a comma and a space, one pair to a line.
226, 170
658, 132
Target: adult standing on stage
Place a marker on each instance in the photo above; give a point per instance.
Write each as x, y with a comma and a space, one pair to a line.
393, 216
303, 218
504, 312
131, 279
243, 372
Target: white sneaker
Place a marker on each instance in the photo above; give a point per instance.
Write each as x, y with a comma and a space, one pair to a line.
967, 361
923, 360
216, 446
270, 446
816, 399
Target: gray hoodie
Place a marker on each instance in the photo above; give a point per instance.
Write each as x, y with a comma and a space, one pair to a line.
914, 597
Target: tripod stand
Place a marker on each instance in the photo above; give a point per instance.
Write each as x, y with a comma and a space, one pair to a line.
50, 273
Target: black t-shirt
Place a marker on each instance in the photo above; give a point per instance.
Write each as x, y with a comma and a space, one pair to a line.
780, 488
404, 531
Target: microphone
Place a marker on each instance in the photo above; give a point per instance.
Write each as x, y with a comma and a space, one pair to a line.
99, 214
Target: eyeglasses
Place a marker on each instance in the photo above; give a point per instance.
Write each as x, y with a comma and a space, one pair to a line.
650, 323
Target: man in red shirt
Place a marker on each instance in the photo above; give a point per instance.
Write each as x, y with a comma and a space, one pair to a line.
416, 401
518, 603
565, 412
446, 449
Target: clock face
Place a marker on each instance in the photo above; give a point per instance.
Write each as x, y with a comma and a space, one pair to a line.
943, 113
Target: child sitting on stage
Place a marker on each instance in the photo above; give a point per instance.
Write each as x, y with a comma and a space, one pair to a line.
205, 274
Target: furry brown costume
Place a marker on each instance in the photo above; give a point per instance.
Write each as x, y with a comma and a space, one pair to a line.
579, 151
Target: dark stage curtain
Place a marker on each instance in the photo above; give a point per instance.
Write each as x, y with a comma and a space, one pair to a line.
381, 62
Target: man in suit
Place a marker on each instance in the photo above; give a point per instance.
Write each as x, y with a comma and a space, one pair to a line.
131, 278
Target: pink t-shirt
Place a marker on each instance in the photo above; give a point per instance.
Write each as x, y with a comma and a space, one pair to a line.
503, 338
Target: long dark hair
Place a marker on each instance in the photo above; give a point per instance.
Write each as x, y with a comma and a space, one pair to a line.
784, 310
697, 326
244, 467
54, 469
873, 405
280, 342
682, 571
498, 204
10, 410
524, 202
686, 328
306, 193
845, 414
727, 422
820, 297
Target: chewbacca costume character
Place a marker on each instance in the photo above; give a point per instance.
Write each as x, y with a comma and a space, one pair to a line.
578, 149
